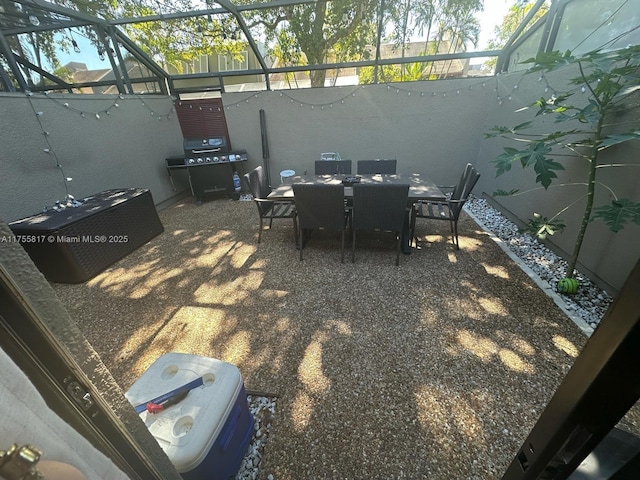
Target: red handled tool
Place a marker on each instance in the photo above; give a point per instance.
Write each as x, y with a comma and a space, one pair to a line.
158, 407
176, 395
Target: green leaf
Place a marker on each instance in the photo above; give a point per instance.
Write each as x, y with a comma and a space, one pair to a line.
559, 135
541, 227
615, 139
544, 168
504, 193
618, 214
550, 60
497, 131
534, 153
503, 161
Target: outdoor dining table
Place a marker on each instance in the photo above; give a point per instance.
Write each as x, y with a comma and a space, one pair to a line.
420, 188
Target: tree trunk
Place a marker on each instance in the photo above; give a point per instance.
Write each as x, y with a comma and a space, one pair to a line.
591, 187
317, 77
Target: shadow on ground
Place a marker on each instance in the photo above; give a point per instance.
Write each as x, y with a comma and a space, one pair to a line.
434, 369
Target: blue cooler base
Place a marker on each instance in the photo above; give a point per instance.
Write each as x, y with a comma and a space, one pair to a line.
229, 448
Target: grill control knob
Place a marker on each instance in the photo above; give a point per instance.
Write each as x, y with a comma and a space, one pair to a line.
208, 159
199, 160
191, 160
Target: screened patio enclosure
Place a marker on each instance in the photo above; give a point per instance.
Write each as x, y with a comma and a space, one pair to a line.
89, 103
64, 47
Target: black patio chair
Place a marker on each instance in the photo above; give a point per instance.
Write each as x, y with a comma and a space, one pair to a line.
379, 207
333, 167
448, 210
260, 189
320, 207
377, 166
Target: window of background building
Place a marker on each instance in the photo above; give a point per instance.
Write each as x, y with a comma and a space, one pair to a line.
227, 63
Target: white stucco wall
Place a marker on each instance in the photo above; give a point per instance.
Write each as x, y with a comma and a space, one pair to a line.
432, 128
126, 148
435, 135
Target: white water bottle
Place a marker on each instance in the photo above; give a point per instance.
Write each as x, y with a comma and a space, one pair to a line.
236, 182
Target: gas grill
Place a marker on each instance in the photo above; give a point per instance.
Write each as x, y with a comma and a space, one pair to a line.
210, 166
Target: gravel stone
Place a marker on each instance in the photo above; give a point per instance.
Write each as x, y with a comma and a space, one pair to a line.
371, 370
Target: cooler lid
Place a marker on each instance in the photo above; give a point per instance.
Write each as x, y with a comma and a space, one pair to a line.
187, 430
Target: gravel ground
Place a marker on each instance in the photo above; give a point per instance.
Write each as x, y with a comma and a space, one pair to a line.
434, 369
588, 304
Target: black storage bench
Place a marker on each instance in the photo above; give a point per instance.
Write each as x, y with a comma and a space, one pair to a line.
74, 244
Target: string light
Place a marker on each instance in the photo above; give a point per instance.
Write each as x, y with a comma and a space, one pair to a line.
353, 94
49, 151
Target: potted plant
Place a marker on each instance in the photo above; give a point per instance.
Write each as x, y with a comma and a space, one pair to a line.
608, 79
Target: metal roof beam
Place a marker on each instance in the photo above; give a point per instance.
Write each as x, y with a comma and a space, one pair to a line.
52, 7
163, 17
227, 7
243, 26
5, 49
57, 80
46, 28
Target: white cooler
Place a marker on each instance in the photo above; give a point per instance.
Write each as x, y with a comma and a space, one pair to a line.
206, 434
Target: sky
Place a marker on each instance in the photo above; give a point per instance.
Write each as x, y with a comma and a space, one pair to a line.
494, 12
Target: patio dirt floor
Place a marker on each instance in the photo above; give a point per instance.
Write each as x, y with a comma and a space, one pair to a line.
434, 369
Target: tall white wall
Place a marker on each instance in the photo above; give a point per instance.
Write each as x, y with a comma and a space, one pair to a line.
434, 135
432, 128
125, 148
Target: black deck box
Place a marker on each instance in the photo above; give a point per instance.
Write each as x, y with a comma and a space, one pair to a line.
74, 244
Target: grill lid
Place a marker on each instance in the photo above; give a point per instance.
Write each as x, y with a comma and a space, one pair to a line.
204, 145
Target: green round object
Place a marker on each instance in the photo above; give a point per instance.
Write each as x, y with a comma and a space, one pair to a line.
568, 285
